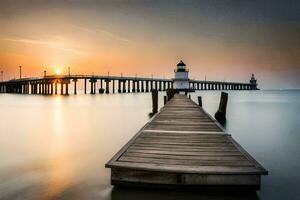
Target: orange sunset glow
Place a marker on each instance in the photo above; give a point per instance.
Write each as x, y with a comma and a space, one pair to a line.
149, 99
228, 41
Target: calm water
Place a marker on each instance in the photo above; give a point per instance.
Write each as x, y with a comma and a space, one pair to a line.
56, 147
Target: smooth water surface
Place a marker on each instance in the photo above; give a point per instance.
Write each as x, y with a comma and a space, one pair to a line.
55, 147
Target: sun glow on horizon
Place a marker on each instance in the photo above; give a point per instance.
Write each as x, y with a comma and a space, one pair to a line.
58, 71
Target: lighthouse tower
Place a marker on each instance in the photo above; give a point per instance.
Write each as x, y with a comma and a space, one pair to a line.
253, 83
181, 80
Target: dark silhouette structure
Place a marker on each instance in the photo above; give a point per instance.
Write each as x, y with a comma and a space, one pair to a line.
220, 115
47, 85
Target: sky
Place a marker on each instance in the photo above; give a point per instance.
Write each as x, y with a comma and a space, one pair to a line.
222, 40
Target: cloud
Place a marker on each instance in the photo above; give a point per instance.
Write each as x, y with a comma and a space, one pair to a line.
107, 33
55, 45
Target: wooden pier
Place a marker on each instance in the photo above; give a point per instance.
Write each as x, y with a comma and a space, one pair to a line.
184, 147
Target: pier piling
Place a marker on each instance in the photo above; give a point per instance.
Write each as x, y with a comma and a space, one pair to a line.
199, 101
220, 115
165, 100
154, 101
85, 86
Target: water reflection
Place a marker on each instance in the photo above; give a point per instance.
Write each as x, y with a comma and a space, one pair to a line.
58, 178
55, 147
123, 193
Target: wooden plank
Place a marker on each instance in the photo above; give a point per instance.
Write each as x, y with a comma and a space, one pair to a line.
183, 139
182, 146
173, 180
211, 152
184, 132
171, 138
184, 123
186, 157
184, 162
200, 169
183, 128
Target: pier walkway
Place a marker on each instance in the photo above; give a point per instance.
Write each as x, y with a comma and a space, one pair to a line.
183, 146
62, 84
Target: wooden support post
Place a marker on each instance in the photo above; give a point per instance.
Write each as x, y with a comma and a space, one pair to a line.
113, 86
51, 88
200, 101
170, 93
47, 88
159, 85
138, 86
42, 88
128, 86
75, 86
124, 86
154, 101
165, 99
55, 86
62, 88
220, 115
92, 85
142, 86
119, 86
133, 86
85, 86
107, 86
151, 85
95, 84
31, 88
67, 89
147, 86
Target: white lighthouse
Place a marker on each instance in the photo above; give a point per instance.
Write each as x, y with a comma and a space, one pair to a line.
181, 80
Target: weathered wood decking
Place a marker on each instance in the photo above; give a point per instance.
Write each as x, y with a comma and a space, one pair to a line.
183, 146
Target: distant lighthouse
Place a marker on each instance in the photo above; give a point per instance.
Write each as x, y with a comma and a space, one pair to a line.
181, 80
253, 82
